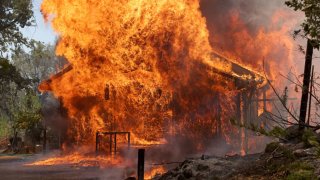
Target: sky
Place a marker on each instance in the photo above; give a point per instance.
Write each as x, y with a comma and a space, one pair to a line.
43, 31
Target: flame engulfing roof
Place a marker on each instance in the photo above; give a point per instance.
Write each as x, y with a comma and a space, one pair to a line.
243, 77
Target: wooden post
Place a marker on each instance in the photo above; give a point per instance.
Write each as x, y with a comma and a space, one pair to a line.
141, 153
97, 142
219, 126
238, 105
107, 92
45, 139
128, 140
59, 139
245, 112
264, 100
115, 143
256, 108
110, 142
238, 115
175, 114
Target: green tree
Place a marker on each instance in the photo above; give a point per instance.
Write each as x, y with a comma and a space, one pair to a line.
39, 63
311, 25
14, 15
9, 73
11, 82
28, 116
310, 29
22, 103
12, 86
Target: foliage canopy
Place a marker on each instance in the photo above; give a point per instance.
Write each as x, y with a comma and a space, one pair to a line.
311, 25
14, 15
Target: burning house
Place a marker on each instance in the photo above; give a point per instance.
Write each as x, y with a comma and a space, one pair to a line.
246, 83
149, 68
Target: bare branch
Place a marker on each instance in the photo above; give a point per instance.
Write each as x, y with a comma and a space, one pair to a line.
274, 90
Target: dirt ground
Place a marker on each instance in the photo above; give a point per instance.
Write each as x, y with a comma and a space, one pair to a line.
15, 168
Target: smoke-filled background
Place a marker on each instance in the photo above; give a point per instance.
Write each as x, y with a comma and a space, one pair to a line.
258, 34
237, 27
254, 13
252, 30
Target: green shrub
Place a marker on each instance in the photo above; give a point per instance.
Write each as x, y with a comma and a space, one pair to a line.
4, 131
300, 171
272, 147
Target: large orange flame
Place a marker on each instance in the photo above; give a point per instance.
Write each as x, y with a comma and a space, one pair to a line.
141, 50
141, 66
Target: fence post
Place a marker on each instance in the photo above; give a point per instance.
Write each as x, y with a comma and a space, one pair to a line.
141, 164
97, 142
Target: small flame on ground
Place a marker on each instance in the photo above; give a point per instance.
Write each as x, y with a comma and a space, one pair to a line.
154, 171
77, 159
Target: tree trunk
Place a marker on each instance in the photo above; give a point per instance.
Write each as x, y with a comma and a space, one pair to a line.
306, 83
310, 97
